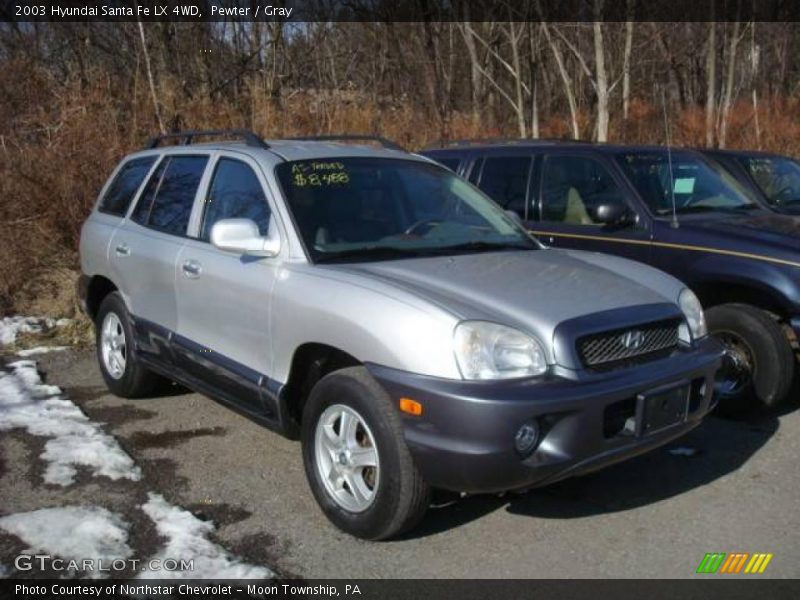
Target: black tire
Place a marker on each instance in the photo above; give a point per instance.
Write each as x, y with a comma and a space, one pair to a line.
753, 334
136, 381
401, 496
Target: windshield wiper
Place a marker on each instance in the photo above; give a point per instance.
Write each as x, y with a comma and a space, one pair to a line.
479, 246
686, 209
700, 208
369, 253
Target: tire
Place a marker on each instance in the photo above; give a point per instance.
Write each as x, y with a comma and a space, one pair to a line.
399, 495
126, 378
752, 336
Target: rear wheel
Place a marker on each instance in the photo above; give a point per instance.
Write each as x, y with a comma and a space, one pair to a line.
758, 366
356, 460
124, 375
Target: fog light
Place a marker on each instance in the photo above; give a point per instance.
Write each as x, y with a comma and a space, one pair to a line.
526, 438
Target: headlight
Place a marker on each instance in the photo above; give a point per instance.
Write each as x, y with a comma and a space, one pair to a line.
490, 351
695, 319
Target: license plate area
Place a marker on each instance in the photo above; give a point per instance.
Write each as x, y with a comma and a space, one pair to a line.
661, 408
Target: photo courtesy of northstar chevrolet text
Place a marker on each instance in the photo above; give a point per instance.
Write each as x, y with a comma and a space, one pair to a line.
303, 298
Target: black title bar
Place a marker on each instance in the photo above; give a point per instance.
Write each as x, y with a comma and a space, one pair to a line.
398, 10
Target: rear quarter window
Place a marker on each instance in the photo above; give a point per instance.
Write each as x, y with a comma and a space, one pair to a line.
126, 183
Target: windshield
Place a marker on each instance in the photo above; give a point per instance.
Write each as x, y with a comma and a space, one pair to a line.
696, 185
377, 209
778, 178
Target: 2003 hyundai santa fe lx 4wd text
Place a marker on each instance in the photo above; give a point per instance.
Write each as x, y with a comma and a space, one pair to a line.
407, 329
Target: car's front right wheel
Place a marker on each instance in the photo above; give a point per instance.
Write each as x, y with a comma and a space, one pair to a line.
758, 366
356, 460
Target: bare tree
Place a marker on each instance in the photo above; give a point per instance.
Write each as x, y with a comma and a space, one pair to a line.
601, 77
730, 79
149, 70
626, 60
711, 78
566, 80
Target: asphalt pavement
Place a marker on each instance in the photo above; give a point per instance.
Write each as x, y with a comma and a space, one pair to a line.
732, 486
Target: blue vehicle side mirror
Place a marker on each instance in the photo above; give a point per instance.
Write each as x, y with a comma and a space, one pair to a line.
612, 213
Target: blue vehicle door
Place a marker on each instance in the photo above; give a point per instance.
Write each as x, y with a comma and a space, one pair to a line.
567, 193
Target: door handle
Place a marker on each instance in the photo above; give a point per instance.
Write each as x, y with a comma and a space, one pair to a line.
122, 250
192, 269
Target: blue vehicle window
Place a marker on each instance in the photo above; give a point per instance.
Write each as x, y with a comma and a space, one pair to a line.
573, 187
166, 202
505, 180
778, 178
122, 190
235, 193
695, 184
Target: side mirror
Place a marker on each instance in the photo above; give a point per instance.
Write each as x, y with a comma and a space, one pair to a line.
612, 213
242, 236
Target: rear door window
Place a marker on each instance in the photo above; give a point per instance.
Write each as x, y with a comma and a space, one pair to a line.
123, 188
505, 180
166, 203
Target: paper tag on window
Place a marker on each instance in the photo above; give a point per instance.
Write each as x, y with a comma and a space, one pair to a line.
684, 185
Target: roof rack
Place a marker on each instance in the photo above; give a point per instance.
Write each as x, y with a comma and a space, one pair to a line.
347, 137
477, 141
187, 137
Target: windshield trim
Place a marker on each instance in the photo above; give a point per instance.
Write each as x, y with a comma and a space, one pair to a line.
422, 160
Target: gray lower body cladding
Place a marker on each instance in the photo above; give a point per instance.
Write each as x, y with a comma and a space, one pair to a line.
464, 440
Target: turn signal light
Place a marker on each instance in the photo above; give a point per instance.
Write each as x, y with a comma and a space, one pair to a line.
411, 407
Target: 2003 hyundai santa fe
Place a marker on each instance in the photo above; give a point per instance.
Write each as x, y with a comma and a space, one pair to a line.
406, 328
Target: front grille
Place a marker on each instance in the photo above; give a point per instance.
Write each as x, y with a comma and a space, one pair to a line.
603, 350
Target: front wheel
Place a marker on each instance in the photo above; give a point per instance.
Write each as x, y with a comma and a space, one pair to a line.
758, 366
356, 460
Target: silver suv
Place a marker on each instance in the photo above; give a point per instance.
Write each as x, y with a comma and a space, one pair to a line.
370, 302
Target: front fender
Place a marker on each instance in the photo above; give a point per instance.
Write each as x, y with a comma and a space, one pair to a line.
777, 283
376, 325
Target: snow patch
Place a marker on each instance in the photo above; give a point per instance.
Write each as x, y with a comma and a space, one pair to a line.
11, 327
72, 533
25, 402
40, 350
187, 539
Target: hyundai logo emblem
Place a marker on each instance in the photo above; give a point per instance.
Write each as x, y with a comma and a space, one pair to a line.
632, 340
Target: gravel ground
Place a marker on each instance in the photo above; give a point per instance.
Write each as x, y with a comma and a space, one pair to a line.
653, 516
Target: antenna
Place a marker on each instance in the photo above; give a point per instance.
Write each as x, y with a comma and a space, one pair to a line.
674, 223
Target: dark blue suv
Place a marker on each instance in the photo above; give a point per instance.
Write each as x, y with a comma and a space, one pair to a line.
675, 210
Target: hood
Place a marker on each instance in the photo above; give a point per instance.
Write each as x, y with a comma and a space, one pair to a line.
770, 230
532, 290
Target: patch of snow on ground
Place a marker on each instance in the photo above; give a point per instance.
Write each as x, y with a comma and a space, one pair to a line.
72, 533
187, 539
25, 402
11, 327
40, 350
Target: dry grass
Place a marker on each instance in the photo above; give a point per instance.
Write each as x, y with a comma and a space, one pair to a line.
61, 139
78, 333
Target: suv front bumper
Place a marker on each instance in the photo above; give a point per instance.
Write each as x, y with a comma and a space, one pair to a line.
464, 440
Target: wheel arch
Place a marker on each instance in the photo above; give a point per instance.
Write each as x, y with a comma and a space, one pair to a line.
311, 362
712, 294
99, 287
